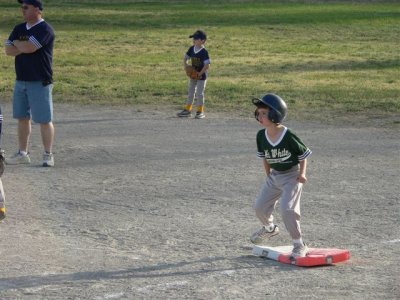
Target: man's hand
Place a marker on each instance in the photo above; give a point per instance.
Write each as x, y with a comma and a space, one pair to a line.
11, 50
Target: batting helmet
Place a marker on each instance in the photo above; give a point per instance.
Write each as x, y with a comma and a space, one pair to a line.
277, 107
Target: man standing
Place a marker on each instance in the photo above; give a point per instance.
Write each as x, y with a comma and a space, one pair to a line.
31, 43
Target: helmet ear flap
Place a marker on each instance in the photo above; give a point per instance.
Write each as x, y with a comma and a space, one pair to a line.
274, 116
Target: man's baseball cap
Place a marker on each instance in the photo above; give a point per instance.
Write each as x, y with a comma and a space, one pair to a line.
35, 3
199, 34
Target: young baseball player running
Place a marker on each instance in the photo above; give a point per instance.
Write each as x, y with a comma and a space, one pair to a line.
198, 57
284, 158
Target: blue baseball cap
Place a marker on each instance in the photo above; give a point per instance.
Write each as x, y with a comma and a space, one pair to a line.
35, 3
199, 34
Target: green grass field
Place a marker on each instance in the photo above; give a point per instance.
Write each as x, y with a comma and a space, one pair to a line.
318, 55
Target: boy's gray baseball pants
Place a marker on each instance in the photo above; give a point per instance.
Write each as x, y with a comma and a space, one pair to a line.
196, 89
282, 185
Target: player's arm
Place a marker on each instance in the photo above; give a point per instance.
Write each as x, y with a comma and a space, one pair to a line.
185, 64
302, 174
185, 61
205, 69
267, 167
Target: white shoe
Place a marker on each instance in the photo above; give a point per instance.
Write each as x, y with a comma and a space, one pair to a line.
299, 250
48, 160
263, 234
18, 158
200, 115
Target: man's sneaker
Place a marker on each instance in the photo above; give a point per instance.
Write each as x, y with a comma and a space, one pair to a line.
2, 213
18, 158
48, 160
184, 113
200, 115
263, 234
299, 250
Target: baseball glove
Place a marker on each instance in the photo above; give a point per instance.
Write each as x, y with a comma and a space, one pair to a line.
192, 73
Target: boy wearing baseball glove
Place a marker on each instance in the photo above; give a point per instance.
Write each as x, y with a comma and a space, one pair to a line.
284, 158
196, 63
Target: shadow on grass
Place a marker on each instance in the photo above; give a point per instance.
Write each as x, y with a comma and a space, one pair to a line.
312, 66
184, 19
131, 16
344, 65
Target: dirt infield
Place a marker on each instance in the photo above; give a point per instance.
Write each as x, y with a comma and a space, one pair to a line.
144, 205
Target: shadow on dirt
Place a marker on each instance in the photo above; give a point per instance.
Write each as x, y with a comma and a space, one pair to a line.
184, 268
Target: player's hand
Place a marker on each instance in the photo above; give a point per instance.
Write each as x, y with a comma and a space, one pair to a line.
302, 178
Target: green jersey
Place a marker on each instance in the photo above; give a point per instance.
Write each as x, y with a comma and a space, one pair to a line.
285, 153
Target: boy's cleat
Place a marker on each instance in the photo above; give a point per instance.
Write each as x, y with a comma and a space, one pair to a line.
263, 234
200, 115
184, 113
17, 159
299, 250
48, 160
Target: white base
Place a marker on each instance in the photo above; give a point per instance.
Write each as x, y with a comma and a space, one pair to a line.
271, 252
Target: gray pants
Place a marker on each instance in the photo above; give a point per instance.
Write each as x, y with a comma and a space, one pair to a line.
2, 196
196, 89
285, 186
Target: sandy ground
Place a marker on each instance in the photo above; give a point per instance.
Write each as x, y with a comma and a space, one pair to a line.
144, 205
